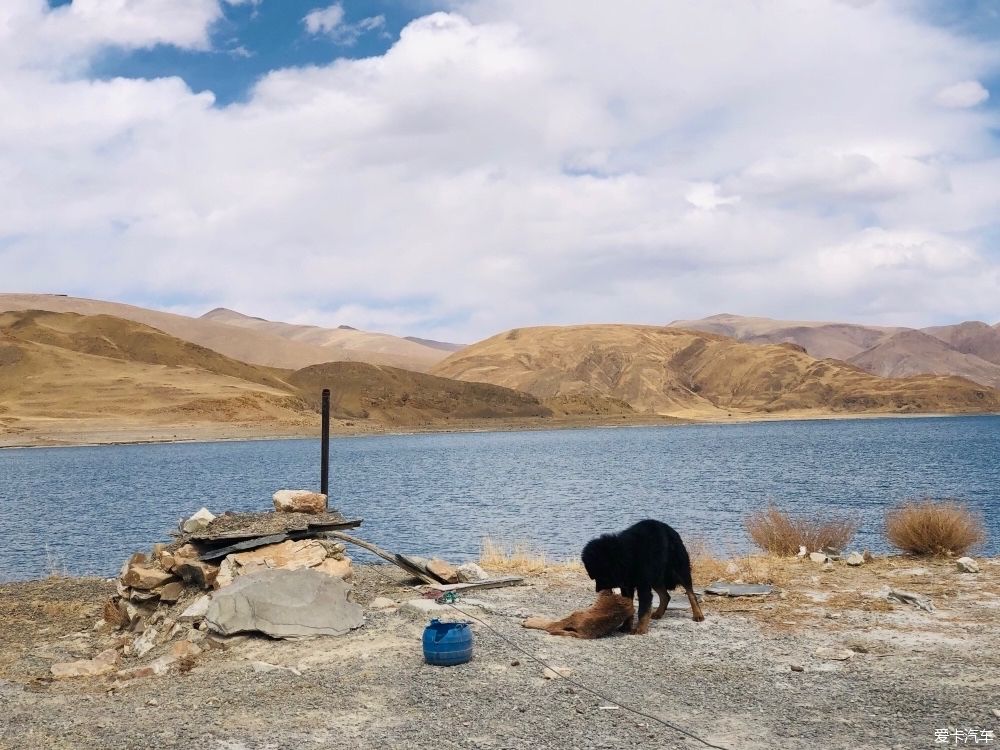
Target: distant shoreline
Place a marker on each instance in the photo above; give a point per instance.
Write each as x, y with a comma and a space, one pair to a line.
125, 436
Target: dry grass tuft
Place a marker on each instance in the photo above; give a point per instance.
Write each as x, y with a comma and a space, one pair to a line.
707, 567
934, 527
778, 533
521, 558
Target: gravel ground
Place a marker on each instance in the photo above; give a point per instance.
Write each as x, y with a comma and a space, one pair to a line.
729, 679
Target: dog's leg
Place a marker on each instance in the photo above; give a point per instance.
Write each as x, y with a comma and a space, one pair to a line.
664, 596
696, 614
627, 626
645, 605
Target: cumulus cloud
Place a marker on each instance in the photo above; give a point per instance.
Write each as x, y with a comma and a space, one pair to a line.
331, 21
509, 163
961, 95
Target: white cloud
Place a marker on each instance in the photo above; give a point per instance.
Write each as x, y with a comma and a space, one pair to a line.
324, 20
331, 21
961, 95
513, 163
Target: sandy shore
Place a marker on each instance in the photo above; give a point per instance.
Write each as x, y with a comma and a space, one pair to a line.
751, 676
95, 432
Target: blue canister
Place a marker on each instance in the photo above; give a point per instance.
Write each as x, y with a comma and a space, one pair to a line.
447, 643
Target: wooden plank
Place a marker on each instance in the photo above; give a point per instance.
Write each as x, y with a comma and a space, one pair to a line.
396, 560
335, 525
492, 583
261, 541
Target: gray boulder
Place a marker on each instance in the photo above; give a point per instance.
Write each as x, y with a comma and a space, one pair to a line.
284, 604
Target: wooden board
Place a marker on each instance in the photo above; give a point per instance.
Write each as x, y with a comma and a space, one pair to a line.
492, 583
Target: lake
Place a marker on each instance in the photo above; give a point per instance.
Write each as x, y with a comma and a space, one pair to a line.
85, 509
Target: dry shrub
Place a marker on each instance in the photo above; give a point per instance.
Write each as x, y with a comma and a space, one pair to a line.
521, 558
778, 533
707, 567
934, 527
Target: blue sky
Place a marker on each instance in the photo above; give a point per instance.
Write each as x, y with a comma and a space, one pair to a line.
505, 162
253, 39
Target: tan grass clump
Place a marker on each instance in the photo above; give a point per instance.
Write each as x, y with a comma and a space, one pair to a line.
521, 558
779, 533
707, 567
934, 527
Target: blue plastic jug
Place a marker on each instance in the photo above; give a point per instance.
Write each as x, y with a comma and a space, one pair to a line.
447, 643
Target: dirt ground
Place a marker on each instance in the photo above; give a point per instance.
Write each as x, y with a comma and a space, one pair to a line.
733, 680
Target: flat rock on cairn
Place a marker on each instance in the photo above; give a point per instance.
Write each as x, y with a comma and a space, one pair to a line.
284, 604
299, 501
198, 521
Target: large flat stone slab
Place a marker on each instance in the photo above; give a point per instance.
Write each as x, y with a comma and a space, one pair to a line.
284, 604
725, 588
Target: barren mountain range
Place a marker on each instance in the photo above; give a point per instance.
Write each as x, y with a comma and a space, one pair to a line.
253, 340
970, 350
97, 375
666, 370
73, 377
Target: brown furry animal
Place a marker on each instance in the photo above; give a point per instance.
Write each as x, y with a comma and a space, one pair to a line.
602, 617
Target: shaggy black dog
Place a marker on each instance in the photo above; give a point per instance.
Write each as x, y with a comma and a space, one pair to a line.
648, 556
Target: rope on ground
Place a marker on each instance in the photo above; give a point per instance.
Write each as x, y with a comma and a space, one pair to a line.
577, 683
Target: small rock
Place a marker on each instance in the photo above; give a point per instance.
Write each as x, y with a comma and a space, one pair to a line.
967, 565
155, 667
331, 566
442, 570
515, 663
798, 668
264, 667
183, 649
103, 663
196, 573
196, 610
818, 557
145, 578
556, 673
996, 712
382, 602
471, 573
827, 567
299, 501
855, 558
908, 597
145, 642
424, 607
834, 654
802, 551
198, 521
868, 556
152, 702
171, 592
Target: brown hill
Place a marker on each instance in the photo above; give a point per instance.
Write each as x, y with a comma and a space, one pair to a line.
251, 344
971, 337
692, 374
821, 340
63, 372
82, 378
343, 343
917, 353
880, 350
400, 397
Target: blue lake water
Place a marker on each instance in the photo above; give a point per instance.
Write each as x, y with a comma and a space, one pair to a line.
85, 509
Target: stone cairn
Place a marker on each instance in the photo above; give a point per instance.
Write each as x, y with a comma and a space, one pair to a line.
163, 598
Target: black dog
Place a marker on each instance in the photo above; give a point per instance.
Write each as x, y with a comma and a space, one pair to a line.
648, 556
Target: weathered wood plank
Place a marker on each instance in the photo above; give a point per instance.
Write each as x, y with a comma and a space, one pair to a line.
493, 583
397, 560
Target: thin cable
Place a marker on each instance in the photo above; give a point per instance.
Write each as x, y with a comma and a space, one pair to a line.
585, 688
